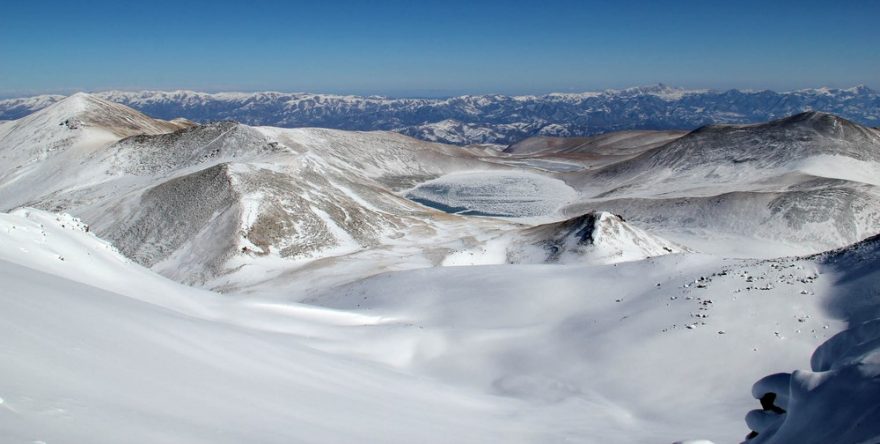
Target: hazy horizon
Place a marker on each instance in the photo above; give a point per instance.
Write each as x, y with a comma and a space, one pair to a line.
418, 94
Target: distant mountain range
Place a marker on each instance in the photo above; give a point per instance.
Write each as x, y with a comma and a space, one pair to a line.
496, 119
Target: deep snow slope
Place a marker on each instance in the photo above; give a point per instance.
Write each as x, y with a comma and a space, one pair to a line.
646, 351
97, 349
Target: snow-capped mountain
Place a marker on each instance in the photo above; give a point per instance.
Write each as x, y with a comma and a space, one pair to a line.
495, 119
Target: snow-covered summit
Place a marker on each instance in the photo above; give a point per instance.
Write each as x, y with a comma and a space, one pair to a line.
592, 238
82, 109
596, 237
80, 116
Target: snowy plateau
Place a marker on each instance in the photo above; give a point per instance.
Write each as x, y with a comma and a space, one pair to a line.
195, 280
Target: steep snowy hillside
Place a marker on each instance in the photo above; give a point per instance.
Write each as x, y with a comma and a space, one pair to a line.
209, 200
807, 142
146, 154
76, 117
492, 118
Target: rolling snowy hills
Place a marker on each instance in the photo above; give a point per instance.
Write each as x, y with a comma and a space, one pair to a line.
806, 182
232, 195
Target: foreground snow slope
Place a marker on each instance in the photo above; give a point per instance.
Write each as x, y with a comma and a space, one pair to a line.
152, 361
604, 351
648, 351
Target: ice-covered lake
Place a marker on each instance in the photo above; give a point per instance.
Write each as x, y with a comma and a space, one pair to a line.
494, 193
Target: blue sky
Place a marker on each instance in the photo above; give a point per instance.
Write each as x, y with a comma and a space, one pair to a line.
436, 48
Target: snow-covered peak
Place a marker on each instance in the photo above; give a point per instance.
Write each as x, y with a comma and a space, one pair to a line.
659, 90
860, 89
596, 238
87, 110
76, 103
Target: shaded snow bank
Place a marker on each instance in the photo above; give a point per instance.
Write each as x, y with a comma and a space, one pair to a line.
837, 401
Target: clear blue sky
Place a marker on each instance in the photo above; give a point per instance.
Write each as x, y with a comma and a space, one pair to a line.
436, 47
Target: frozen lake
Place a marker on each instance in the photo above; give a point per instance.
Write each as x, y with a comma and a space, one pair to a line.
494, 193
